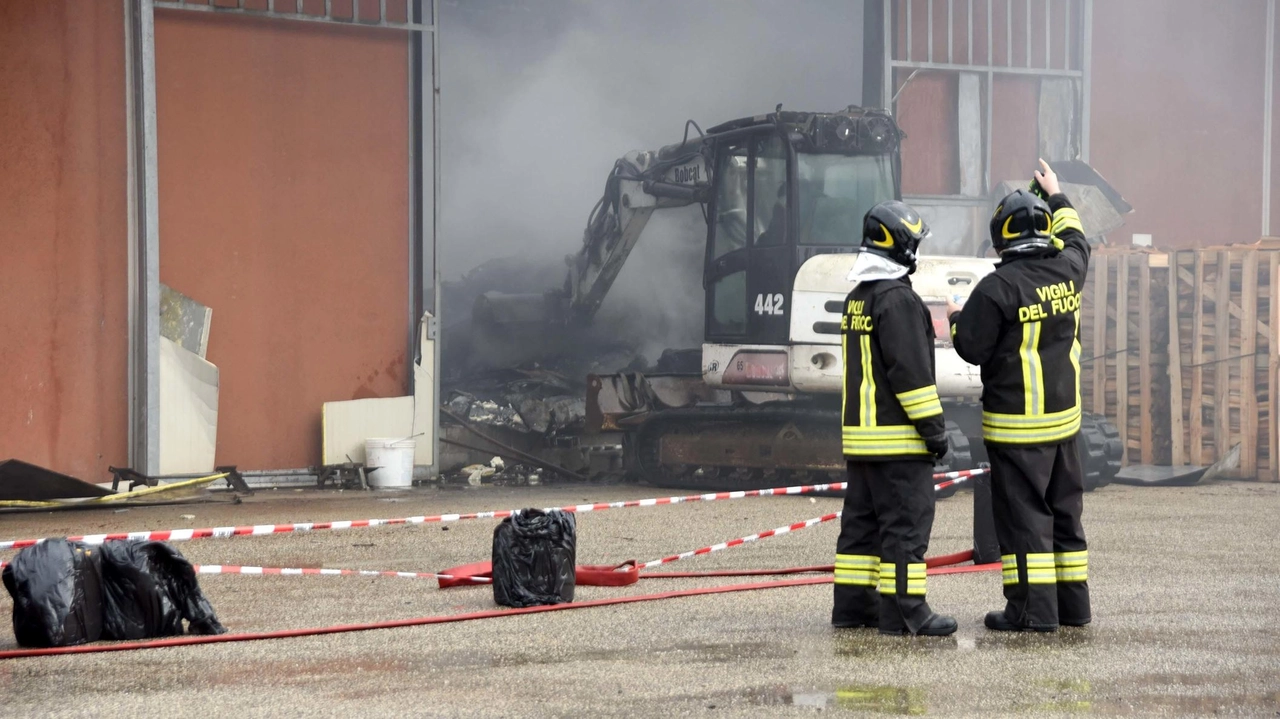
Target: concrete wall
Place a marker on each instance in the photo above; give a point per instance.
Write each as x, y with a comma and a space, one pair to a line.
283, 206
63, 242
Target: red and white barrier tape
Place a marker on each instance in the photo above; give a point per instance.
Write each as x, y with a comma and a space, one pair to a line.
952, 482
742, 540
304, 571
183, 535
773, 532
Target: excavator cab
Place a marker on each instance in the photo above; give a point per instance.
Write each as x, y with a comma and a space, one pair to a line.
776, 189
787, 186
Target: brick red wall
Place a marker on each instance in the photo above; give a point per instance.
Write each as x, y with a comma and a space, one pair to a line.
63, 236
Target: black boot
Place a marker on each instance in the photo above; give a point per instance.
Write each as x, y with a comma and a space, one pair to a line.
999, 621
938, 625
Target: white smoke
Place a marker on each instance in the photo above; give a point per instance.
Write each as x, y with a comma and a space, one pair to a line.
540, 99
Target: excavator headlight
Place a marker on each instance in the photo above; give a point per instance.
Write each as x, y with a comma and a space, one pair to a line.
878, 133
838, 132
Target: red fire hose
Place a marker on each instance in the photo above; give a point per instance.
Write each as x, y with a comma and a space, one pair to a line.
935, 563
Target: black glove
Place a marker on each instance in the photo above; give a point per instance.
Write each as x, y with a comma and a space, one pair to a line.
937, 444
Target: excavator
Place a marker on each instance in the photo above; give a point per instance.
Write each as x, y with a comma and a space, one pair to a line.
758, 404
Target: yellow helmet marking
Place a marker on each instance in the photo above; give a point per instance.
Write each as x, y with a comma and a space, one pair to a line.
887, 241
1005, 230
916, 227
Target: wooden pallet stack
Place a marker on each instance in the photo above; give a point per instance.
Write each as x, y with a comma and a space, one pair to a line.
1180, 351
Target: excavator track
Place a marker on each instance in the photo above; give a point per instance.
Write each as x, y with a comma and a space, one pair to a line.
738, 448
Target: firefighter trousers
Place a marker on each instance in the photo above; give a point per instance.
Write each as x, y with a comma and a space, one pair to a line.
1037, 497
884, 534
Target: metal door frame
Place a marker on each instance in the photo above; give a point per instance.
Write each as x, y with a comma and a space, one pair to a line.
144, 200
892, 13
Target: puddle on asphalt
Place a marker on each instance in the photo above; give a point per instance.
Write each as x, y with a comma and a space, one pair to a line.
693, 652
1034, 641
1266, 704
853, 698
1052, 696
1193, 695
1063, 696
865, 643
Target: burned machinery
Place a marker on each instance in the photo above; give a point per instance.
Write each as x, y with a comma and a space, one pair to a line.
758, 404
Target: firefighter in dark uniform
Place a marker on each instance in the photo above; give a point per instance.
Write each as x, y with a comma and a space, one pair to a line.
1021, 325
892, 431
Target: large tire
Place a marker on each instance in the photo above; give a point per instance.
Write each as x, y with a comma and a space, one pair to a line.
1100, 451
958, 457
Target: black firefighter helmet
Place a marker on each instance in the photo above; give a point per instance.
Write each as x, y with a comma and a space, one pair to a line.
1021, 224
894, 230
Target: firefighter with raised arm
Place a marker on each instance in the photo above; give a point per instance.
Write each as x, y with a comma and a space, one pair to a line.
892, 431
1021, 325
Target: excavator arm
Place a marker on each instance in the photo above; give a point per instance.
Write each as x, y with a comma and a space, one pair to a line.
640, 182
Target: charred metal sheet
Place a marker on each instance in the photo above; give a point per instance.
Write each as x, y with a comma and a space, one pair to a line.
482, 411
615, 398
1146, 475
27, 482
1097, 212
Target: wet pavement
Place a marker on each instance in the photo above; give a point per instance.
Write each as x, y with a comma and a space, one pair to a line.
1186, 590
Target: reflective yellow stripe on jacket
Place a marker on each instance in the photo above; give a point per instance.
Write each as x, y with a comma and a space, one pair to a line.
1031, 429
920, 403
1066, 218
1032, 370
888, 439
867, 390
1035, 426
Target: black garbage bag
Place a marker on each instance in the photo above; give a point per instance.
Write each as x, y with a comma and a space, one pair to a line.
148, 589
57, 594
534, 553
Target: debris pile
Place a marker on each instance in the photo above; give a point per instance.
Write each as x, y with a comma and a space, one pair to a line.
498, 473
526, 400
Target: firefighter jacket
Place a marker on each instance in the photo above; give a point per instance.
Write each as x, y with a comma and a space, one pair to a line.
890, 401
1021, 325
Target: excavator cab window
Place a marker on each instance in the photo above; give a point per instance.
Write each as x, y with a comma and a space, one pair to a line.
729, 305
726, 278
731, 203
770, 181
835, 193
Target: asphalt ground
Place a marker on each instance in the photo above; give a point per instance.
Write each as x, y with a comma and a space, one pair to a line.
1185, 581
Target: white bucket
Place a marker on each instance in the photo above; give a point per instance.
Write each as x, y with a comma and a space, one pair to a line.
394, 460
